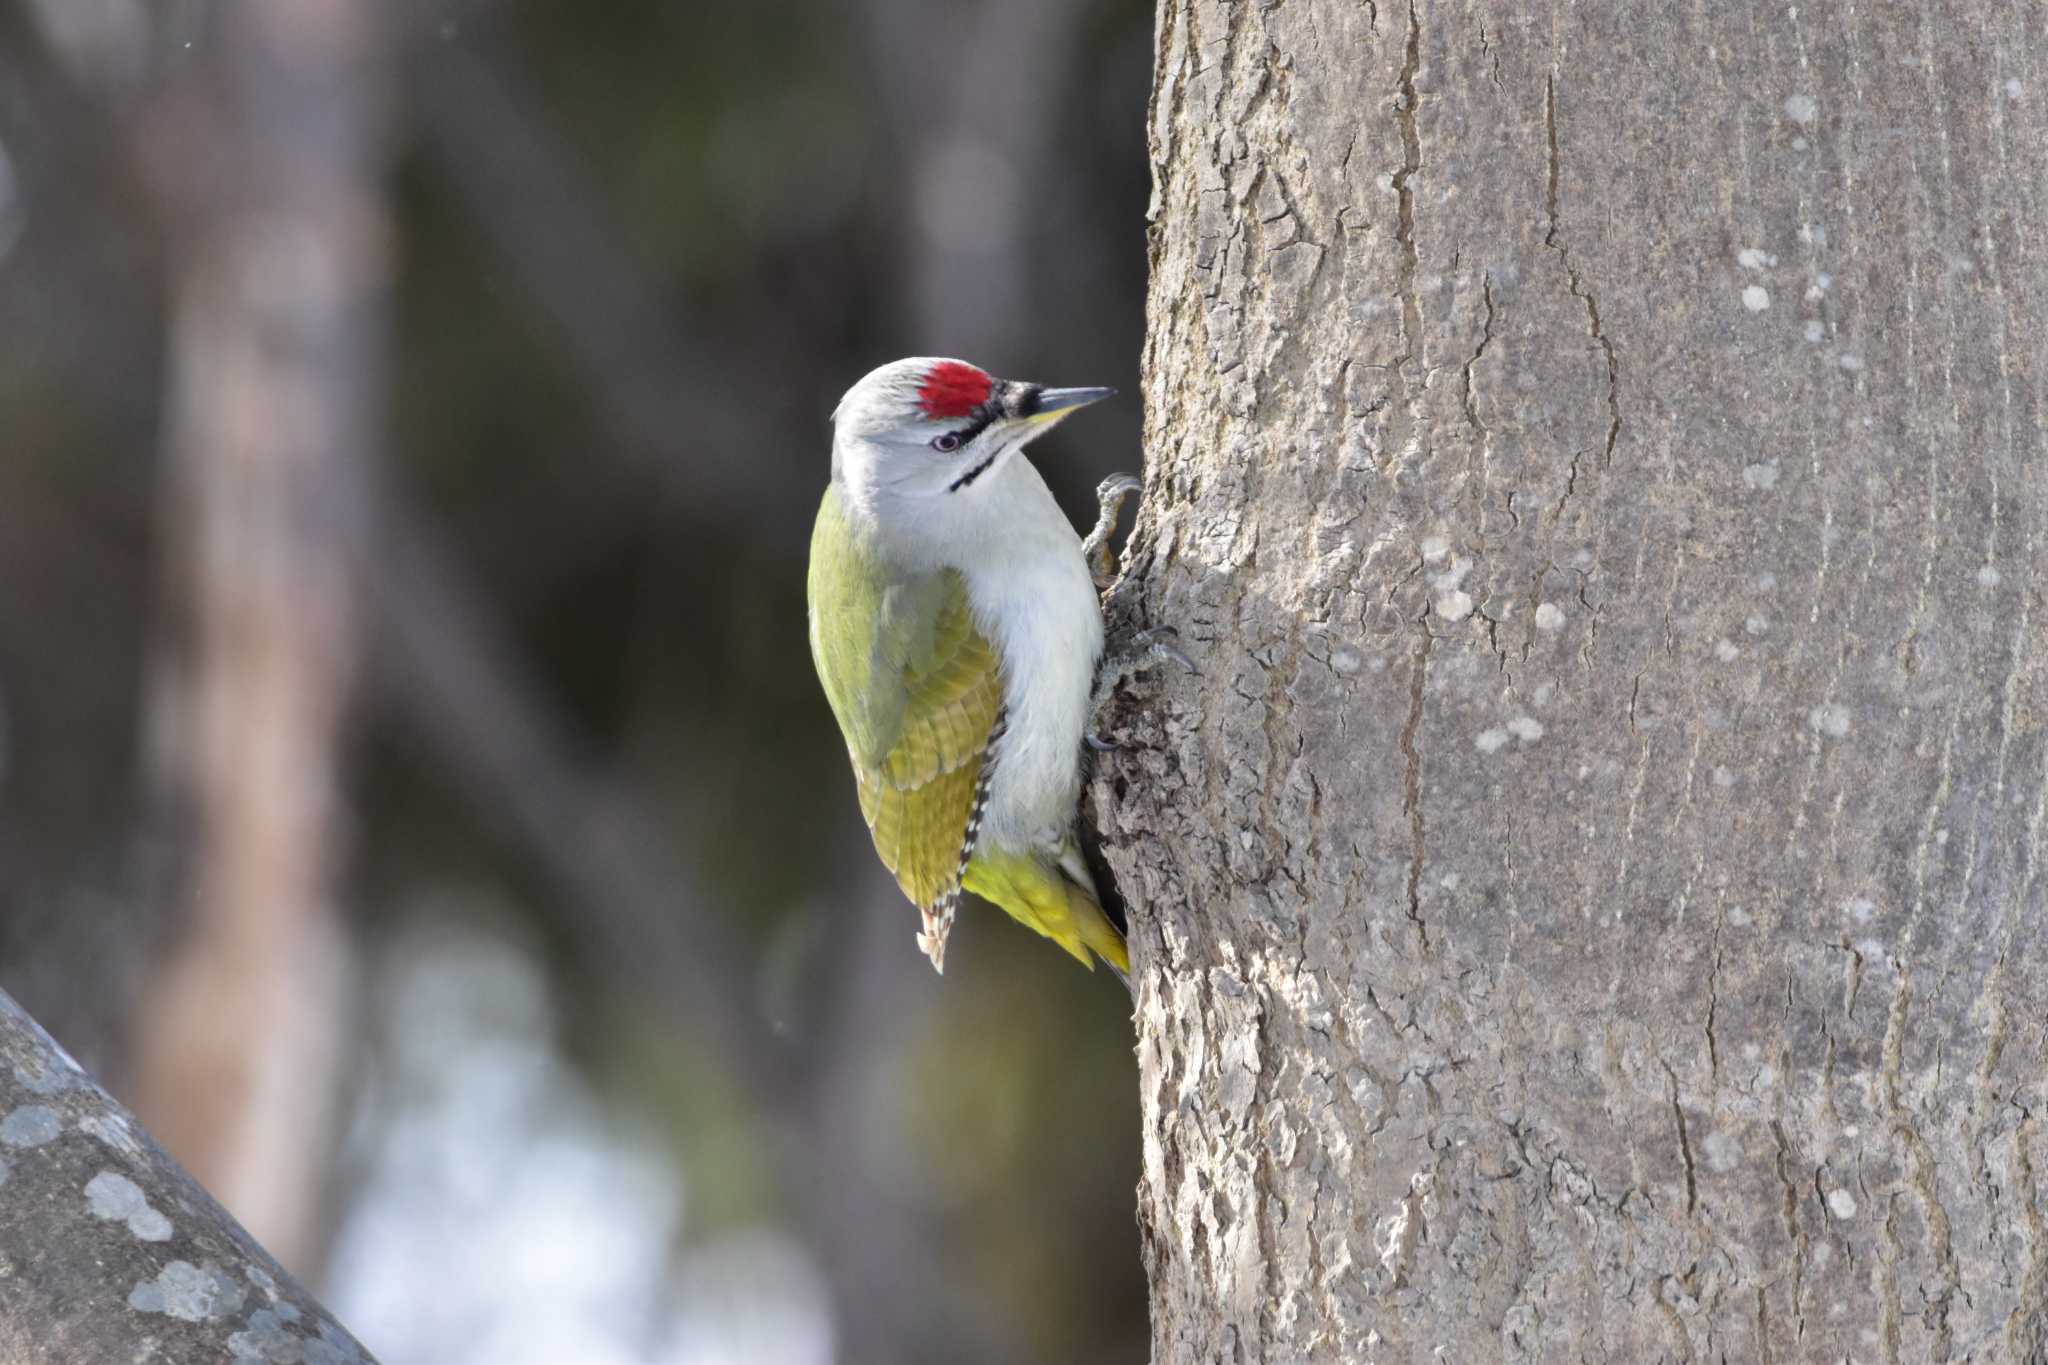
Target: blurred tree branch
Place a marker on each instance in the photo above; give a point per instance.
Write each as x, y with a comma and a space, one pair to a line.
129, 1257
446, 674
977, 135
268, 157
528, 192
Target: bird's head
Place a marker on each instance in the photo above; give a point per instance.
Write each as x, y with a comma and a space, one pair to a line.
930, 429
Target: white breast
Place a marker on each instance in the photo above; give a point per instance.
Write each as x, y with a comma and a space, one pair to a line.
1032, 597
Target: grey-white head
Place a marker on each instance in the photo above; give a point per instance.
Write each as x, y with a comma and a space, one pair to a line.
927, 435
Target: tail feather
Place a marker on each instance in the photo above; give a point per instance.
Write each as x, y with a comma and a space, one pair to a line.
1098, 933
1047, 897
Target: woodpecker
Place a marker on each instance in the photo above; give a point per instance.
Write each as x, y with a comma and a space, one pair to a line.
956, 628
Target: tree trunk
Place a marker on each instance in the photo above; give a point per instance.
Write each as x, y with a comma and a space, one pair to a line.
1590, 904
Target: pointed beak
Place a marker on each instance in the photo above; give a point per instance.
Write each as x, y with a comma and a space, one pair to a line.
1052, 401
1037, 409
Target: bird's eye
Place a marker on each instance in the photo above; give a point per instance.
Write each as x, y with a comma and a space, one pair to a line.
947, 441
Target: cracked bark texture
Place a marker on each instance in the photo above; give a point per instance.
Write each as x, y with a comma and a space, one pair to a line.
1590, 904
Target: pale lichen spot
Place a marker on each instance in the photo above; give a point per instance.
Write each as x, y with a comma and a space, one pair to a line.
1988, 576
1549, 616
1528, 729
1816, 331
1454, 605
1800, 108
1435, 548
1756, 625
1841, 1203
1766, 581
1740, 917
1750, 258
1829, 718
1756, 298
32, 1125
1727, 651
1449, 881
265, 1338
115, 1198
1751, 1051
1490, 740
1345, 660
188, 1292
1860, 909
1454, 576
1722, 1151
1800, 144
1761, 475
1723, 776
1850, 361
1543, 693
2013, 88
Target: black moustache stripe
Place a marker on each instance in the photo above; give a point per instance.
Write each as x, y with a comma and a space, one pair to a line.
971, 475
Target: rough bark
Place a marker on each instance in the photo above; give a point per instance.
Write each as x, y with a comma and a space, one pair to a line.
1590, 905
109, 1251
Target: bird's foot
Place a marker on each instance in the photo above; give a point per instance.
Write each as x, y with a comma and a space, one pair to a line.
1143, 652
1110, 496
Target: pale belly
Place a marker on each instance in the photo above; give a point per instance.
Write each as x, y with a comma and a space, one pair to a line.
1041, 612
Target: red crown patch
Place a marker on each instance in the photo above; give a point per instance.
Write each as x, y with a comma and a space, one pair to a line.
953, 389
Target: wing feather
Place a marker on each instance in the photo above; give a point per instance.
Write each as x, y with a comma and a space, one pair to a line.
917, 690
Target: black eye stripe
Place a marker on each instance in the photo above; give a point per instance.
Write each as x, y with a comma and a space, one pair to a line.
984, 415
977, 424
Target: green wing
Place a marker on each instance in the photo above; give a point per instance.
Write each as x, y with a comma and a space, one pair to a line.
917, 692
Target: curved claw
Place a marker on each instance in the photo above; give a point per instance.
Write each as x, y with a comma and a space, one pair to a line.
1145, 651
1148, 642
1099, 744
1110, 496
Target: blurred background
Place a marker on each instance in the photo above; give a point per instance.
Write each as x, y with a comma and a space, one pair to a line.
415, 798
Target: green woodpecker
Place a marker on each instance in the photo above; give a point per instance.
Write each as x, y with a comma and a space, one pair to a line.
956, 629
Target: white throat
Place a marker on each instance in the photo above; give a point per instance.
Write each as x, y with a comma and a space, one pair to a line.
921, 522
